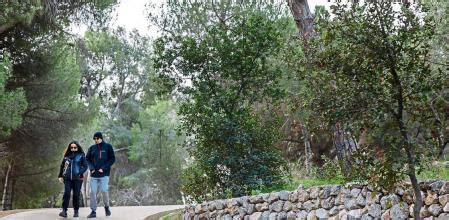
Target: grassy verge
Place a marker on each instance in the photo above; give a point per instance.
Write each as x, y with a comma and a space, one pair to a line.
294, 183
165, 215
436, 171
316, 182
172, 216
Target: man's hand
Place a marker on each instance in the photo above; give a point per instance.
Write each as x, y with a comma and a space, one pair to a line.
100, 170
61, 180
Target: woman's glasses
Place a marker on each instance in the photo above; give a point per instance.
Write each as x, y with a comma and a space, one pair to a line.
73, 147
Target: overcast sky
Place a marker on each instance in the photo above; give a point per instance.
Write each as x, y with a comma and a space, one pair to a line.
132, 14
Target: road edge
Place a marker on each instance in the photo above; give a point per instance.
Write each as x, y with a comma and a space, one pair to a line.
10, 212
160, 214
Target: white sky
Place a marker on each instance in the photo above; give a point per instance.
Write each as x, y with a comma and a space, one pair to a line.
132, 14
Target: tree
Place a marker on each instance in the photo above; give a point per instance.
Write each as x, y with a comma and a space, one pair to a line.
155, 148
373, 58
50, 83
438, 59
193, 18
12, 105
229, 71
117, 74
114, 56
319, 138
51, 15
42, 66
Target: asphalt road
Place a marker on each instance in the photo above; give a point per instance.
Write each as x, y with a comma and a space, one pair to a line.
118, 213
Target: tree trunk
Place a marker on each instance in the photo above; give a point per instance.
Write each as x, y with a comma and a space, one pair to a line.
440, 125
411, 160
303, 17
342, 148
304, 22
441, 150
307, 148
5, 28
363, 137
417, 192
339, 142
412, 172
8, 188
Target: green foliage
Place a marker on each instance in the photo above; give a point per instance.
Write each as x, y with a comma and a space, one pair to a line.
49, 82
118, 73
365, 83
117, 78
44, 72
287, 183
119, 57
440, 64
330, 173
155, 149
369, 71
12, 103
19, 12
439, 9
51, 16
39, 92
197, 184
230, 69
39, 193
331, 170
436, 170
193, 18
365, 165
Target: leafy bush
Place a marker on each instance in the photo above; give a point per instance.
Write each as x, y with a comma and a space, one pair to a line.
435, 170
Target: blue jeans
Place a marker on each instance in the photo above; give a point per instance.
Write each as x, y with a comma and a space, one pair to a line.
103, 183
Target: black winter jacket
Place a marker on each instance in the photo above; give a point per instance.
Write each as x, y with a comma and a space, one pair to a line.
73, 166
100, 156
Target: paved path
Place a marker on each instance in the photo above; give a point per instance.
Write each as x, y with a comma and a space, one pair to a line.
118, 213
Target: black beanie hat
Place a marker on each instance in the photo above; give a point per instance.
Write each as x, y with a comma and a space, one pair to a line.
98, 135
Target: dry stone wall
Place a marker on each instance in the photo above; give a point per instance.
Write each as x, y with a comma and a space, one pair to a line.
352, 201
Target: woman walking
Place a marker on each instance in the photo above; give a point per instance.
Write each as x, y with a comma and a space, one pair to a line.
71, 172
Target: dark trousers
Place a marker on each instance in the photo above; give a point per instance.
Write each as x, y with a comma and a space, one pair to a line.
75, 186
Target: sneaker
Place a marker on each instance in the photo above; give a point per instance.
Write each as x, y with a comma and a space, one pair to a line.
63, 214
92, 215
107, 211
75, 214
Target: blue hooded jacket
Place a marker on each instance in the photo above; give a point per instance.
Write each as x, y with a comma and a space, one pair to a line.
73, 166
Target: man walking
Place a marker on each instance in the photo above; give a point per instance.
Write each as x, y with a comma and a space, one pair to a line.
100, 158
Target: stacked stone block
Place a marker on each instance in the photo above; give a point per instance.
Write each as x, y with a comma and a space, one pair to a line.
352, 201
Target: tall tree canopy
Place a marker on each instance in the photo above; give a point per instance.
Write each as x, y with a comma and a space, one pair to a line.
45, 71
370, 71
222, 73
